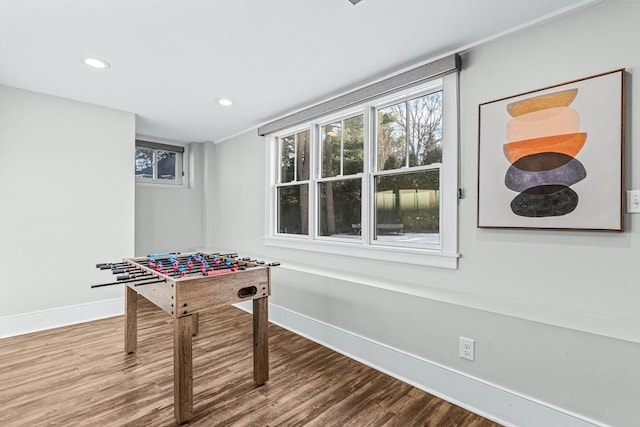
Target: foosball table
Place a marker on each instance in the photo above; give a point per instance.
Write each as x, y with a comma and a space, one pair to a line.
185, 285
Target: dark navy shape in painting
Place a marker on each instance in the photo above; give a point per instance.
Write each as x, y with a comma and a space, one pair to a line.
545, 201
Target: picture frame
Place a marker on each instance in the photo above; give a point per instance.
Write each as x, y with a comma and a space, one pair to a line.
553, 158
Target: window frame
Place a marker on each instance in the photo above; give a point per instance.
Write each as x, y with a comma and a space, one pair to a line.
317, 177
342, 118
277, 179
181, 154
406, 96
444, 255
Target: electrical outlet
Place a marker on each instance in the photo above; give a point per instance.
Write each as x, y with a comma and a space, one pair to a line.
467, 348
633, 201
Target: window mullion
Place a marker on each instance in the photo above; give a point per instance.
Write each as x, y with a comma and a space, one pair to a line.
279, 148
314, 150
369, 167
295, 157
407, 137
403, 171
342, 147
155, 165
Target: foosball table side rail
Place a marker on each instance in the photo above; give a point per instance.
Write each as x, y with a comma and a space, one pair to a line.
206, 293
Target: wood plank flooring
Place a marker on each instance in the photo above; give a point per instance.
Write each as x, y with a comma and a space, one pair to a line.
80, 376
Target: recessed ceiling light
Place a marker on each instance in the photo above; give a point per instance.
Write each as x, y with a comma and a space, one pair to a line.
96, 63
225, 102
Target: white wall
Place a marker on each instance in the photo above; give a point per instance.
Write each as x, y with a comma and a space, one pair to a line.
66, 203
171, 218
555, 314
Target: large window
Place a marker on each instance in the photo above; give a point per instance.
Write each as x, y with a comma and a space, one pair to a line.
376, 180
158, 163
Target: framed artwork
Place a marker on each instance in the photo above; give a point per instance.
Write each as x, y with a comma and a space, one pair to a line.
553, 158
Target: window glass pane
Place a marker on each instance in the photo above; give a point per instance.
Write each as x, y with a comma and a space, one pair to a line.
287, 158
144, 163
166, 165
354, 145
303, 156
293, 209
408, 207
331, 138
425, 129
392, 136
340, 204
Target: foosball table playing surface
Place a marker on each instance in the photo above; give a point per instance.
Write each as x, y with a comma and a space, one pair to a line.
185, 285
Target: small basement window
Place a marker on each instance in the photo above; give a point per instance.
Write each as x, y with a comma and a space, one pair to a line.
159, 163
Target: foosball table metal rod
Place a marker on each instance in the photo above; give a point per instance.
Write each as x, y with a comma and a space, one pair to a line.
130, 280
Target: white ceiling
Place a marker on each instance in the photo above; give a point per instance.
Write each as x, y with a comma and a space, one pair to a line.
171, 59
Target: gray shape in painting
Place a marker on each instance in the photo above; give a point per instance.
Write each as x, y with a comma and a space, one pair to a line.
567, 174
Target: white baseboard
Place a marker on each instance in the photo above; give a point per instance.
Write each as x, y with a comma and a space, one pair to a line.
62, 316
488, 400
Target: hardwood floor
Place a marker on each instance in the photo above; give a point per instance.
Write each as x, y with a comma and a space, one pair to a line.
80, 376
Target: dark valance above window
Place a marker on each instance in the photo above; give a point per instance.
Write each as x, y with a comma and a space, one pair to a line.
159, 146
403, 80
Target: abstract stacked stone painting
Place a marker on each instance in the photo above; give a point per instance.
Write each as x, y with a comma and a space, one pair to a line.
553, 158
543, 141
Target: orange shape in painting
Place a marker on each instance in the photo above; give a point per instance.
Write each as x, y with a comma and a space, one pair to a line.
537, 103
569, 144
547, 122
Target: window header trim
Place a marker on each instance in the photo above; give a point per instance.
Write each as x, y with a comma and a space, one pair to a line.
440, 67
159, 146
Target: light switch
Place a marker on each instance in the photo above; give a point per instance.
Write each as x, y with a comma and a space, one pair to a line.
633, 201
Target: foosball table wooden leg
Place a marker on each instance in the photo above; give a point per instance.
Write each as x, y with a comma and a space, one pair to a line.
130, 320
260, 340
182, 368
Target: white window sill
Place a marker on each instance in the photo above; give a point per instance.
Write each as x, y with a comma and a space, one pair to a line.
161, 185
425, 257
